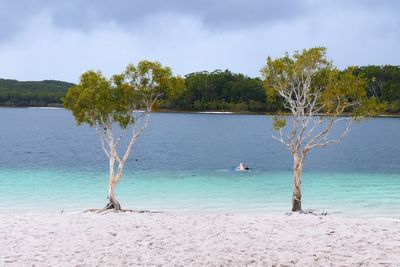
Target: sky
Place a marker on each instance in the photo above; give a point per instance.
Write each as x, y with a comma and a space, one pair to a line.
59, 40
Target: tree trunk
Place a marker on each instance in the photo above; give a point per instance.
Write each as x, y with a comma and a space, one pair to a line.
113, 181
297, 168
113, 202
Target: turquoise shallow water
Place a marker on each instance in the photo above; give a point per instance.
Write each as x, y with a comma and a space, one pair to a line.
185, 163
221, 191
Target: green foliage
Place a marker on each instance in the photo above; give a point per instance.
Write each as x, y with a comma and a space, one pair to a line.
176, 89
98, 101
220, 90
24, 94
279, 122
148, 80
371, 107
283, 74
227, 91
344, 92
383, 83
309, 77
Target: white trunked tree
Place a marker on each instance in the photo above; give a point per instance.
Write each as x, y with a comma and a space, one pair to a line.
119, 107
319, 98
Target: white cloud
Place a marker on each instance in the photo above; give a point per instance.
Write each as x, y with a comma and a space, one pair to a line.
43, 50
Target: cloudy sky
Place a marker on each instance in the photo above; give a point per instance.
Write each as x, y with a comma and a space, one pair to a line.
50, 39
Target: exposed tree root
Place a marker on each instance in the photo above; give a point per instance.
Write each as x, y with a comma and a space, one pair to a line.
106, 210
113, 205
312, 212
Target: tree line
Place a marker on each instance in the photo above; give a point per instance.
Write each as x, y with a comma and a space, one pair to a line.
208, 91
47, 93
383, 82
219, 91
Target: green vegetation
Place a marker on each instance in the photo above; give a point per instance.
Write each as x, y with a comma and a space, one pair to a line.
219, 91
383, 82
307, 84
209, 91
32, 94
113, 105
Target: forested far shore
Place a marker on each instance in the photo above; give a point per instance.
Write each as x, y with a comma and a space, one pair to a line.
206, 91
47, 93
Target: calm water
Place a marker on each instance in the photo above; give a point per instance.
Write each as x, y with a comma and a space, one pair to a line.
185, 162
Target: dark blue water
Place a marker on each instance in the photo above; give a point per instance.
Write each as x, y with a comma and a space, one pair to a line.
34, 138
186, 162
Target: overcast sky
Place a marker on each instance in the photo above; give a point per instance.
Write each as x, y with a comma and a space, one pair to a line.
61, 39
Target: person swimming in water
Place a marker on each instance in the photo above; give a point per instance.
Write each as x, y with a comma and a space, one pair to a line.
242, 167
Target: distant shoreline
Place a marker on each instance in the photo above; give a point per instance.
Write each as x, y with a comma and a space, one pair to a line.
45, 107
204, 112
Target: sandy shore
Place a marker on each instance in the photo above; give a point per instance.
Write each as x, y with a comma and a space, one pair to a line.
197, 240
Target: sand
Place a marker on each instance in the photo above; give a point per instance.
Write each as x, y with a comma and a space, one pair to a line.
197, 240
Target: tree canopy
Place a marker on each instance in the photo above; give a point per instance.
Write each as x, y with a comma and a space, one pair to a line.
97, 100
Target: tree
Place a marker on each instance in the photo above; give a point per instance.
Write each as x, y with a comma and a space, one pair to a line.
319, 98
383, 83
118, 107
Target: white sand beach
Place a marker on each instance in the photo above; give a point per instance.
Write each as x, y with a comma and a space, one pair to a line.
197, 240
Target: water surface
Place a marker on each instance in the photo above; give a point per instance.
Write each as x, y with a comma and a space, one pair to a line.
185, 163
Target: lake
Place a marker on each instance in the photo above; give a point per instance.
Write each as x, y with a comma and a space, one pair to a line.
186, 162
